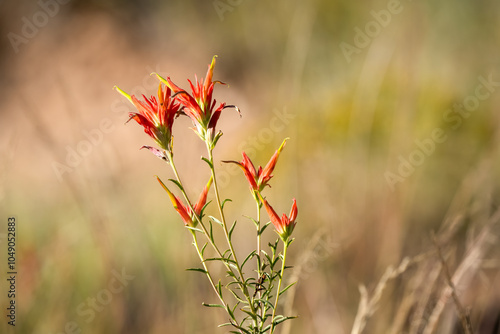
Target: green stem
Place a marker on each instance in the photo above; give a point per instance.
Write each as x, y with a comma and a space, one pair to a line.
226, 232
258, 233
203, 227
285, 247
195, 242
259, 273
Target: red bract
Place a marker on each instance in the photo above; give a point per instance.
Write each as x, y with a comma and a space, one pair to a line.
284, 225
259, 178
199, 105
156, 117
184, 210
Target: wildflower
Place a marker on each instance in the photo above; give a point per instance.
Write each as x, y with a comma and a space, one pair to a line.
156, 117
188, 217
259, 178
284, 225
199, 105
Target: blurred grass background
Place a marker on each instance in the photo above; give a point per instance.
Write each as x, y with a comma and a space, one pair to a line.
349, 124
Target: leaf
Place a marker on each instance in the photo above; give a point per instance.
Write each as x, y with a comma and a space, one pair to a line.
264, 227
197, 269
212, 305
211, 232
216, 139
229, 261
257, 224
232, 229
194, 229
216, 220
287, 287
203, 248
279, 319
230, 312
225, 324
264, 302
250, 314
224, 202
203, 209
225, 252
237, 297
208, 162
252, 254
219, 288
177, 184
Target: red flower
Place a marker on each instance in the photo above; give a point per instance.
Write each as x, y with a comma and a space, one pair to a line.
199, 105
258, 179
156, 117
284, 225
184, 210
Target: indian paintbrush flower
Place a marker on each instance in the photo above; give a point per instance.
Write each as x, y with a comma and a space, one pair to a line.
284, 225
254, 293
184, 210
156, 117
259, 178
199, 105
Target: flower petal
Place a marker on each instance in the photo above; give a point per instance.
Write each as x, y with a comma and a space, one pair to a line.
178, 206
203, 198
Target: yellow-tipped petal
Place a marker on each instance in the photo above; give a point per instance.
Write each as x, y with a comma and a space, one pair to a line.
162, 79
282, 145
123, 93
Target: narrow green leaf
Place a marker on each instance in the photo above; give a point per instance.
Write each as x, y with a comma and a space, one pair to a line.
287, 287
280, 319
203, 248
237, 297
252, 254
177, 184
212, 305
203, 209
216, 138
264, 228
197, 269
224, 202
208, 162
211, 232
250, 314
230, 312
225, 325
229, 261
194, 229
216, 220
232, 229
219, 288
257, 224
225, 252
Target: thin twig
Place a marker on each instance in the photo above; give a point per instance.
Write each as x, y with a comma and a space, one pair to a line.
368, 306
462, 313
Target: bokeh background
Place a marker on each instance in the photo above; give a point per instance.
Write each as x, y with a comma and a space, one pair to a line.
361, 101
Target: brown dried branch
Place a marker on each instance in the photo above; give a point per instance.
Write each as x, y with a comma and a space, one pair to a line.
462, 313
